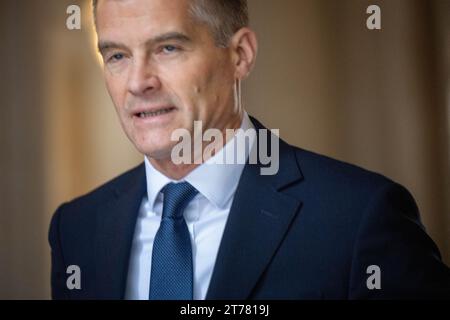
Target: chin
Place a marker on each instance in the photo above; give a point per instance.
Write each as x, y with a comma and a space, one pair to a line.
156, 151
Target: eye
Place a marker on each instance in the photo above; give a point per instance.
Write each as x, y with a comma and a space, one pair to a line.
116, 57
169, 49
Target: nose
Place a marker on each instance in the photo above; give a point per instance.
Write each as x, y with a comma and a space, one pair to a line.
142, 78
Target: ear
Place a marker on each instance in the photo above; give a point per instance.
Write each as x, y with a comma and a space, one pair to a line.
245, 47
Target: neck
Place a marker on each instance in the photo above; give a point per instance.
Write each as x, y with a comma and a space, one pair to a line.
171, 170
180, 171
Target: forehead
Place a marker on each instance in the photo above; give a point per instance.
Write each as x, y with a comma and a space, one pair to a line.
128, 17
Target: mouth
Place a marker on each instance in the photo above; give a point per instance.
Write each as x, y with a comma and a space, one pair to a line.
153, 113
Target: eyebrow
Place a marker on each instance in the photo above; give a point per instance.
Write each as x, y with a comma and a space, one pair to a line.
177, 36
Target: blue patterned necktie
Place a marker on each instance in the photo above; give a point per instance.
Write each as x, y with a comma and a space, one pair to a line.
172, 271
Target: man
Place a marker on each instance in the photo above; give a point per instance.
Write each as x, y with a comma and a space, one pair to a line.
316, 229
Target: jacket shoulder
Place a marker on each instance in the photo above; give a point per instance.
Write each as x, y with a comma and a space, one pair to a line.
339, 175
103, 193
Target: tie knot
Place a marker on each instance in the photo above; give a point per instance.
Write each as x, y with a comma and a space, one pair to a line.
176, 197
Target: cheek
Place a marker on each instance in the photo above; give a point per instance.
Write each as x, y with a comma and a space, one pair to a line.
207, 84
213, 88
186, 87
116, 89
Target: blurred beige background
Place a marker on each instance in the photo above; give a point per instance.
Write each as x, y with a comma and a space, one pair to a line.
379, 99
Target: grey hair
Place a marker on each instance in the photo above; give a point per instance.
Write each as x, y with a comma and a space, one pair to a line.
223, 17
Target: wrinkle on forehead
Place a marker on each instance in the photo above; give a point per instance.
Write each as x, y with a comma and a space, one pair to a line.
147, 18
111, 11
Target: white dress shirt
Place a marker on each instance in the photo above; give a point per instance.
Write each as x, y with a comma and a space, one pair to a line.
206, 216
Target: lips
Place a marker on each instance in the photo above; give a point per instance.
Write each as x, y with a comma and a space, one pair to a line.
153, 112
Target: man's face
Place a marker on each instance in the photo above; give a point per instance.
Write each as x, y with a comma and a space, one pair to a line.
163, 71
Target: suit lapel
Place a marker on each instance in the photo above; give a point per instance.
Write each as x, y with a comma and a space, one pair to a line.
258, 221
116, 221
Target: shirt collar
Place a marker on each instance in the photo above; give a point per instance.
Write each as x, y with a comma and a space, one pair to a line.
156, 181
216, 182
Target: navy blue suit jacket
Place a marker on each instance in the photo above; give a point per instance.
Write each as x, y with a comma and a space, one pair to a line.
308, 232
